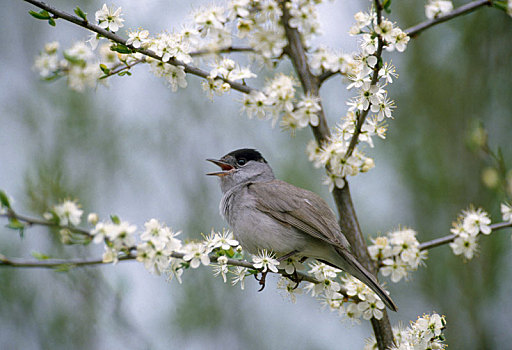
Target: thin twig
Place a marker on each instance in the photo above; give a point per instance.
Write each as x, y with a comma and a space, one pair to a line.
361, 117
311, 84
450, 238
30, 221
223, 50
414, 31
462, 10
118, 39
118, 68
57, 263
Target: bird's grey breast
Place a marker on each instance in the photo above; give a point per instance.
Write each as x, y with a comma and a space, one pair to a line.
255, 229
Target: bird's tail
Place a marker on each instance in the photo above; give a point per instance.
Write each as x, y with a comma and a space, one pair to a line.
347, 262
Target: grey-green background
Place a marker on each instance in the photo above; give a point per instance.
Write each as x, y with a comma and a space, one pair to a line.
137, 150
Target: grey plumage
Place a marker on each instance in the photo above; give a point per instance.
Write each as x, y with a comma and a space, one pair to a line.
266, 213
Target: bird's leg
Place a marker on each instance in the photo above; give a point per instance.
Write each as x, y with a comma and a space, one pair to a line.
261, 280
294, 277
286, 256
263, 277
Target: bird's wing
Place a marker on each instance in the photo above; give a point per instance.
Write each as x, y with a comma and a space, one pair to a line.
299, 208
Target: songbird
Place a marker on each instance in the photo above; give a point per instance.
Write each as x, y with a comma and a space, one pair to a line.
267, 213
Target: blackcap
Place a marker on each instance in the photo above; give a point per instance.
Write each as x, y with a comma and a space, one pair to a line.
266, 213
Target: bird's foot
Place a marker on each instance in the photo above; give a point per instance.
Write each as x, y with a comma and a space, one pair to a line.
286, 256
261, 280
294, 277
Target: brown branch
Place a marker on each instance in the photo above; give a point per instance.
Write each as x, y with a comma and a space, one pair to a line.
30, 221
120, 67
348, 218
118, 39
414, 31
57, 263
223, 50
450, 238
462, 10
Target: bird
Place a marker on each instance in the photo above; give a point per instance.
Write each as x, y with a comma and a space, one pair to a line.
269, 214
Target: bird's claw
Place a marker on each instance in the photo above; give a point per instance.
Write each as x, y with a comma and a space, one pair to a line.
294, 277
261, 280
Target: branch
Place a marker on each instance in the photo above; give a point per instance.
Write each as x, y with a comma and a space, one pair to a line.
58, 263
116, 38
464, 9
348, 218
118, 68
224, 50
11, 214
54, 263
414, 31
450, 238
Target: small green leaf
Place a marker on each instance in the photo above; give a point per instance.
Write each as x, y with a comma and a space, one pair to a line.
81, 13
40, 256
73, 60
115, 219
4, 200
104, 69
124, 73
120, 48
44, 15
51, 22
53, 77
63, 267
501, 5
15, 224
386, 5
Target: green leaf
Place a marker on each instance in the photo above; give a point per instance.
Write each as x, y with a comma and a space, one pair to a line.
63, 267
51, 22
53, 77
40, 256
73, 60
15, 224
386, 5
124, 73
120, 48
4, 200
44, 15
501, 5
104, 69
115, 219
81, 13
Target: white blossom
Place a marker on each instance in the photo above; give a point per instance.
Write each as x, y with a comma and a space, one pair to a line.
506, 212
138, 38
437, 8
464, 244
265, 261
372, 307
476, 221
239, 276
68, 213
196, 253
109, 19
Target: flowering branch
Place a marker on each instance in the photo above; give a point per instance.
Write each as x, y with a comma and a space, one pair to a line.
118, 39
462, 10
414, 31
55, 263
123, 66
450, 238
311, 84
12, 215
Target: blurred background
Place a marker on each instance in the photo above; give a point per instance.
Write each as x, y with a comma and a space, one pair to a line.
137, 150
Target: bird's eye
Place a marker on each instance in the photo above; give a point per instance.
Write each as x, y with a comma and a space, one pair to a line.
241, 161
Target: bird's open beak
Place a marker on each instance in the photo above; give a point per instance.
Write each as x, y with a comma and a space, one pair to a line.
226, 168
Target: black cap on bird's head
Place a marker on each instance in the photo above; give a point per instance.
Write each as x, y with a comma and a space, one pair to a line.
235, 160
